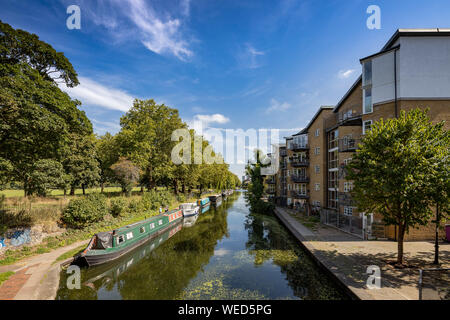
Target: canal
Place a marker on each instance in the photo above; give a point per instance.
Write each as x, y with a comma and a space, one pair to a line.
227, 253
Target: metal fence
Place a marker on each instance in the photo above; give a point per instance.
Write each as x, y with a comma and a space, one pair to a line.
351, 224
434, 284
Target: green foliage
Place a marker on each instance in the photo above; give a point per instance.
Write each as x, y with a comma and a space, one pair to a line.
85, 211
256, 187
127, 174
47, 173
395, 167
118, 206
153, 200
107, 154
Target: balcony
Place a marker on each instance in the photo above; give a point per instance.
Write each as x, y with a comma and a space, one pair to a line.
283, 165
299, 162
350, 117
283, 153
345, 199
299, 195
270, 191
349, 144
299, 147
271, 181
299, 178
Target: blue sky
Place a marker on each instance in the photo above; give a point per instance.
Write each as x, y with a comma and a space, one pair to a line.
232, 64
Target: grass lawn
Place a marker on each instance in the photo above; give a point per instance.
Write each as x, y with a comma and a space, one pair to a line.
5, 276
20, 193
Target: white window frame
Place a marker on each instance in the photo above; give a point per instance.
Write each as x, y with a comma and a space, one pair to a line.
364, 100
129, 235
317, 132
348, 211
317, 186
317, 168
317, 150
364, 125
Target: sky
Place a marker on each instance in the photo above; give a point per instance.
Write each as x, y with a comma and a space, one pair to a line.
227, 64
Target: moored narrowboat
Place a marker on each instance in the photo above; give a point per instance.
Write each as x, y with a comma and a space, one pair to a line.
216, 199
190, 209
204, 204
107, 246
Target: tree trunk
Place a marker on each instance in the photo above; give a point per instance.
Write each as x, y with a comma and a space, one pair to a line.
175, 186
183, 188
72, 190
436, 239
102, 187
401, 235
84, 190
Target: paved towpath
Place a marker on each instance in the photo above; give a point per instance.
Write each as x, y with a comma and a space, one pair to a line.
347, 257
35, 278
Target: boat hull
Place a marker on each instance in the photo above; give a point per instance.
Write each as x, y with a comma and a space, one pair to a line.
94, 260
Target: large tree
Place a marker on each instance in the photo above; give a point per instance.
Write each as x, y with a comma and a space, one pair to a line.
145, 139
392, 170
36, 117
107, 155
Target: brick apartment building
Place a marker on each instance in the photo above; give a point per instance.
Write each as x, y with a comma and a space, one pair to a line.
412, 70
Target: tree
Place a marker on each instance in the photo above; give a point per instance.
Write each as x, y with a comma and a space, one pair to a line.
127, 174
391, 172
145, 138
107, 154
256, 185
81, 163
46, 174
36, 117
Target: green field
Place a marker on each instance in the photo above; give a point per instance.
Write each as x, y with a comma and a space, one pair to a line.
20, 193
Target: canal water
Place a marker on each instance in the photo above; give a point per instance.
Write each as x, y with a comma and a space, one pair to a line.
227, 253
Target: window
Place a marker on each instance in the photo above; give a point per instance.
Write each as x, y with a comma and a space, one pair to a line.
348, 211
347, 161
348, 186
317, 186
367, 70
366, 126
368, 107
317, 168
316, 203
317, 150
302, 190
289, 187
142, 229
120, 239
129, 235
317, 132
152, 225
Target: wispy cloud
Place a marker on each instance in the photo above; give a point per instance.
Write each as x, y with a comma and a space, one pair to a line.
101, 127
160, 32
344, 74
213, 118
92, 93
249, 57
277, 106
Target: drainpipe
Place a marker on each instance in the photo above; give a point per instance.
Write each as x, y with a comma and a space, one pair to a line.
395, 82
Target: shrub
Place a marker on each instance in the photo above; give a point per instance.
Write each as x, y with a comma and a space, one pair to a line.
118, 206
85, 211
153, 199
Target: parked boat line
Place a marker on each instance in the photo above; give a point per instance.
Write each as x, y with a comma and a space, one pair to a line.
111, 245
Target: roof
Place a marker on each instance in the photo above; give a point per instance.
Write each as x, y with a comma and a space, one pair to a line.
348, 93
305, 130
416, 33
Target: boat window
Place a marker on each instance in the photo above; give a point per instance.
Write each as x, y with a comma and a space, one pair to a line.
142, 230
129, 235
120, 239
160, 222
152, 225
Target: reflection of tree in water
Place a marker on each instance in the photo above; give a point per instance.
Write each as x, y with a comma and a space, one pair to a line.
166, 271
268, 240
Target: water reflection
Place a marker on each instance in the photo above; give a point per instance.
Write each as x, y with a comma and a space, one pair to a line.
225, 253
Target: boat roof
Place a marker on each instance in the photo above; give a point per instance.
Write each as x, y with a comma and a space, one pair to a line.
159, 216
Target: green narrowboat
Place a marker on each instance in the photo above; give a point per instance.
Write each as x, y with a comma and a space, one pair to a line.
112, 270
107, 246
216, 199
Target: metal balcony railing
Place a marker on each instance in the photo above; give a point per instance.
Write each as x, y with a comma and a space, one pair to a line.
283, 153
299, 178
299, 162
299, 195
349, 144
299, 147
345, 199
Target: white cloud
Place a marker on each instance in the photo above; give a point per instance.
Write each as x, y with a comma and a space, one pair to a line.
248, 56
344, 74
90, 92
277, 106
160, 32
101, 127
213, 118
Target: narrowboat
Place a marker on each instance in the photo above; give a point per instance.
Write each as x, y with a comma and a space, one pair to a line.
189, 209
112, 270
107, 246
216, 199
204, 204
